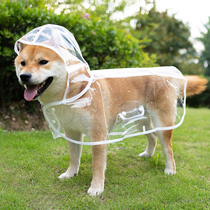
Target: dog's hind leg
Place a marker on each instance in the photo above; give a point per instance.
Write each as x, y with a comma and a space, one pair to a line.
151, 137
152, 142
166, 119
165, 138
74, 154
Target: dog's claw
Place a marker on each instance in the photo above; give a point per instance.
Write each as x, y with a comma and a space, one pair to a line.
170, 171
95, 191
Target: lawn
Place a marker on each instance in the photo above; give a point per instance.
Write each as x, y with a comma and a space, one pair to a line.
30, 163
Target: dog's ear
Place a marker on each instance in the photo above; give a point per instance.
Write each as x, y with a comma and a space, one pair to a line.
21, 46
71, 62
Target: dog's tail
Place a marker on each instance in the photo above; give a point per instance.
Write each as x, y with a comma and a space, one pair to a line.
195, 85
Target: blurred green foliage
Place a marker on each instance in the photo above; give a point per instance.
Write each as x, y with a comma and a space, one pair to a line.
169, 38
102, 45
156, 39
205, 57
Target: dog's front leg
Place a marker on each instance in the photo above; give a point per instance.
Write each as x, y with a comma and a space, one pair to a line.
99, 157
74, 154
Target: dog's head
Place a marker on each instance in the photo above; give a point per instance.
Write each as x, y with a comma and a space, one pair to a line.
44, 62
38, 68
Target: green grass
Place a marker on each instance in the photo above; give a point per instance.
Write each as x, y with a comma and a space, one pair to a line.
30, 163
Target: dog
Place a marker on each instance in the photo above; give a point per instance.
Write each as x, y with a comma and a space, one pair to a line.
42, 72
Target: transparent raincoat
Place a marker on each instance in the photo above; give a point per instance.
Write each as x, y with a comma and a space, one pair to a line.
132, 119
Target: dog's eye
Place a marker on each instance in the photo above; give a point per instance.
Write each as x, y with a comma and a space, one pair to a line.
23, 63
43, 62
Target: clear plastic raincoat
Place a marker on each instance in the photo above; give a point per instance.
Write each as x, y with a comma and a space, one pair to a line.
133, 118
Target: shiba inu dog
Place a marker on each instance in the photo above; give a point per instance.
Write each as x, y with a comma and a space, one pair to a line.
42, 72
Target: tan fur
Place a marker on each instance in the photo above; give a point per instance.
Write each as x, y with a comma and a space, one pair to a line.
195, 85
107, 97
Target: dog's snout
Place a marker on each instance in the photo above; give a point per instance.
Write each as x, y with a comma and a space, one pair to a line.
25, 77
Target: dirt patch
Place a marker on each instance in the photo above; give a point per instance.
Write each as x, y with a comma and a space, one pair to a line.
19, 117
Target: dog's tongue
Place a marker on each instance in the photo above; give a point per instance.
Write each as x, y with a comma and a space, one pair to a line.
30, 92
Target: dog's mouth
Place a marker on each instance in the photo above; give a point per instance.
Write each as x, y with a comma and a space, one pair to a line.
33, 92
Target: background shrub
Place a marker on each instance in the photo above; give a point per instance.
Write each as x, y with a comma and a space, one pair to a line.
103, 42
102, 45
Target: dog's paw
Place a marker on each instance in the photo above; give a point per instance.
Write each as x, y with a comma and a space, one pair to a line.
67, 175
145, 154
93, 191
96, 188
169, 171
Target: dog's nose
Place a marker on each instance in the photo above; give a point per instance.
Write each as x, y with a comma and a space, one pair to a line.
25, 77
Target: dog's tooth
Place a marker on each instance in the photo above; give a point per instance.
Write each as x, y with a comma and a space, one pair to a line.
43, 84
